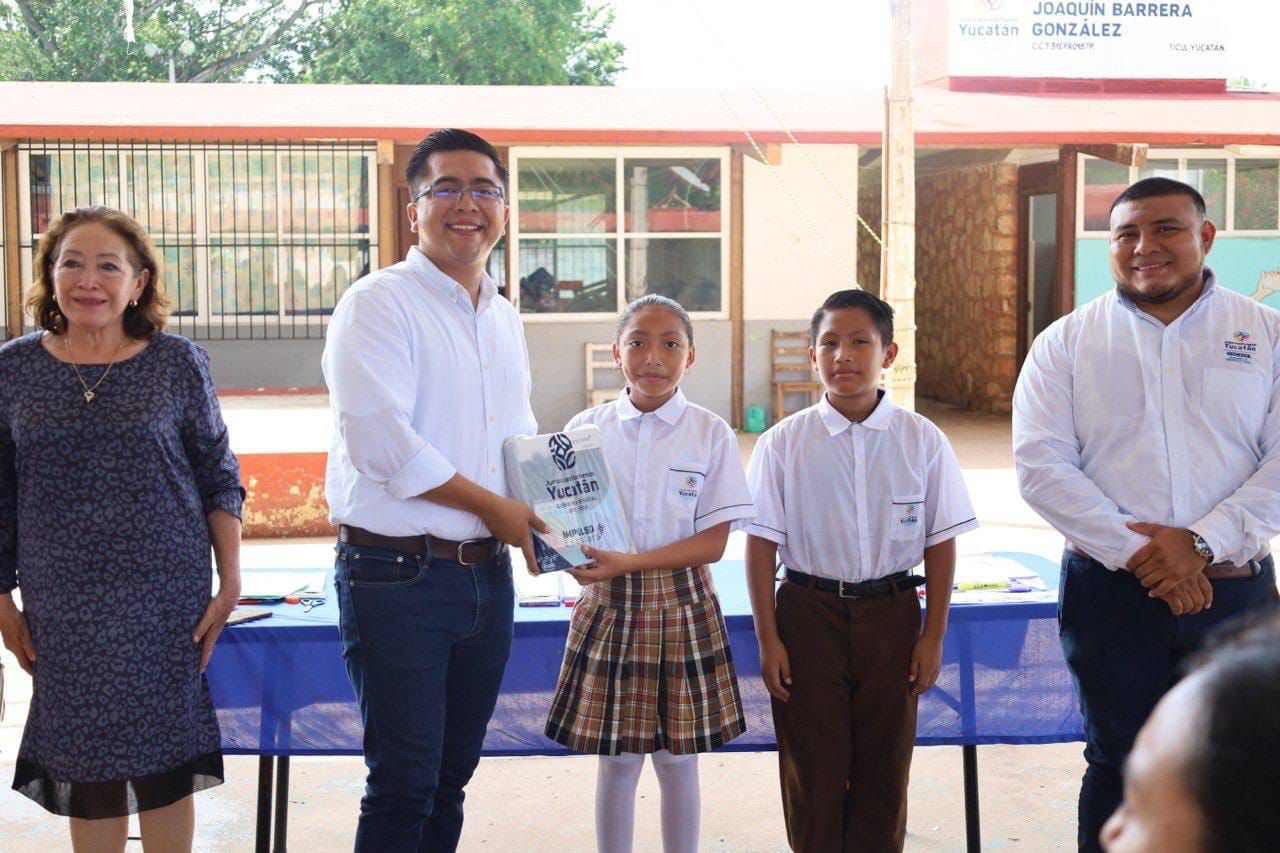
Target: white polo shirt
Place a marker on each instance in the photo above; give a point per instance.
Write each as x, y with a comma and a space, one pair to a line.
1118, 417
422, 386
677, 468
856, 501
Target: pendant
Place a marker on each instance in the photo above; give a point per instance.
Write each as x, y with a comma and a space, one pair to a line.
88, 396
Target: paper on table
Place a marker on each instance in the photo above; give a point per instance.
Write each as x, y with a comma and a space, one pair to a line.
989, 572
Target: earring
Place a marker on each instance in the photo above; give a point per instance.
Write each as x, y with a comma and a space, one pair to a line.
133, 304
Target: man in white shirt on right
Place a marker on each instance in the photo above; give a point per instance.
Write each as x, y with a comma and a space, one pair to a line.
1146, 430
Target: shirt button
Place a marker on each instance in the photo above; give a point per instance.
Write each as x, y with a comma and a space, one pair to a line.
490, 418
493, 469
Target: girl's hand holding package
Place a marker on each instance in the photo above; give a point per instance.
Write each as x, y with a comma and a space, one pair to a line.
608, 564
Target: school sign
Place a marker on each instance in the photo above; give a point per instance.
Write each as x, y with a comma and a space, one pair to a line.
1089, 40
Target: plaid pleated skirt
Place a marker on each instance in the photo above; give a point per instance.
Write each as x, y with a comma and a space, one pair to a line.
647, 666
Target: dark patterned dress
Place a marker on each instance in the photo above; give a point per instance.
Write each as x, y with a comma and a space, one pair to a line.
103, 530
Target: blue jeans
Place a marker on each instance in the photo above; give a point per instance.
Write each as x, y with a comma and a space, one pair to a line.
1125, 649
425, 642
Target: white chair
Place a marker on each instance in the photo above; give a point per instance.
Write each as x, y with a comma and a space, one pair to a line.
599, 359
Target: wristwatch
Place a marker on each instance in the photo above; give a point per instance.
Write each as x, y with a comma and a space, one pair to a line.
1202, 547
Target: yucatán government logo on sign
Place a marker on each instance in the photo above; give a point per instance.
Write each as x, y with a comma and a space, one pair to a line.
561, 451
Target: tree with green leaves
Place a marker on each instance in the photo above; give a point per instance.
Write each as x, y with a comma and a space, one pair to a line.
532, 42
86, 39
339, 41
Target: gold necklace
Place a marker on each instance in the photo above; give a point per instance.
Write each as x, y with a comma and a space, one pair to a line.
89, 392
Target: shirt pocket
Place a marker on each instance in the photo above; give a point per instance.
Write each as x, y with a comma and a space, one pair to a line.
1234, 393
683, 488
906, 518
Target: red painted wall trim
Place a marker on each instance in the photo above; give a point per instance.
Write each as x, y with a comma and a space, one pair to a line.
503, 136
624, 137
285, 494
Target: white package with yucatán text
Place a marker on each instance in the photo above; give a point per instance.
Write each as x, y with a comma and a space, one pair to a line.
565, 478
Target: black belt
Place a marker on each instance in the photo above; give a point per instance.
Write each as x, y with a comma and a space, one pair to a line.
469, 552
887, 585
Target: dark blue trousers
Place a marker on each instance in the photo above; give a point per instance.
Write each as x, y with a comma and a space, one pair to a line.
426, 642
1125, 649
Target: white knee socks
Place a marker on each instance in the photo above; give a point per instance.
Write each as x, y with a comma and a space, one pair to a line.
681, 802
616, 801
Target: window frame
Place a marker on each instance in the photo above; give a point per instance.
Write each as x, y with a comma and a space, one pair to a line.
619, 154
202, 236
1183, 155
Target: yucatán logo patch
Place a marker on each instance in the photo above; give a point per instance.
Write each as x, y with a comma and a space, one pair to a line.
1239, 349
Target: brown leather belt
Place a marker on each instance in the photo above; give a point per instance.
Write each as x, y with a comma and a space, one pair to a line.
1214, 572
469, 552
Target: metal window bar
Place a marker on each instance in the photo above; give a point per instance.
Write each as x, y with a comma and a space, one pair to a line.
259, 239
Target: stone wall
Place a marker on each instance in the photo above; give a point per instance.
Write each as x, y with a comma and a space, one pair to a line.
868, 272
967, 282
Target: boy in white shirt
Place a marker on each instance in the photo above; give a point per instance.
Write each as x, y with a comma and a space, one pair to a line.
852, 494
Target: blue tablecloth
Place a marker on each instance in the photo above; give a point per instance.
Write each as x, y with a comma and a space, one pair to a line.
281, 688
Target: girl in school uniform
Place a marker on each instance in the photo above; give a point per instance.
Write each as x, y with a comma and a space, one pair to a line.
647, 668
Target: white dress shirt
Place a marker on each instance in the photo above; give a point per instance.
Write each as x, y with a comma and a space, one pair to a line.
1118, 417
677, 468
422, 386
856, 501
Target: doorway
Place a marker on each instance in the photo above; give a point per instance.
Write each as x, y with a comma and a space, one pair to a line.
1037, 252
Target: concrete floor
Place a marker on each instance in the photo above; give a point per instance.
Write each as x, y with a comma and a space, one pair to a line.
537, 804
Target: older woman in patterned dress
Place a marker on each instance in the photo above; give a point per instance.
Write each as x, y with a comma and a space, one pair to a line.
115, 478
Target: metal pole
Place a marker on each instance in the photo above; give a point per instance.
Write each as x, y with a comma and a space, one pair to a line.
262, 841
282, 803
972, 818
899, 188
172, 77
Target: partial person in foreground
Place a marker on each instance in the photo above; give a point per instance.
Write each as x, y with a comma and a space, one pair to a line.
1146, 430
1202, 774
116, 475
852, 494
647, 669
428, 375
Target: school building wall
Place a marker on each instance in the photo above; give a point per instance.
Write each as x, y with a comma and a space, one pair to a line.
799, 246
967, 282
248, 364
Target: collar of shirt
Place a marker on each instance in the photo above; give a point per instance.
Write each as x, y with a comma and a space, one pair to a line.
669, 411
837, 423
1206, 291
447, 287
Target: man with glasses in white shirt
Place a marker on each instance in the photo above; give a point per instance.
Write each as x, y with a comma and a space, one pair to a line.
1146, 430
428, 374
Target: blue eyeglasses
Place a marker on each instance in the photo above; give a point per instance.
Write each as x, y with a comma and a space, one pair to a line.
451, 195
